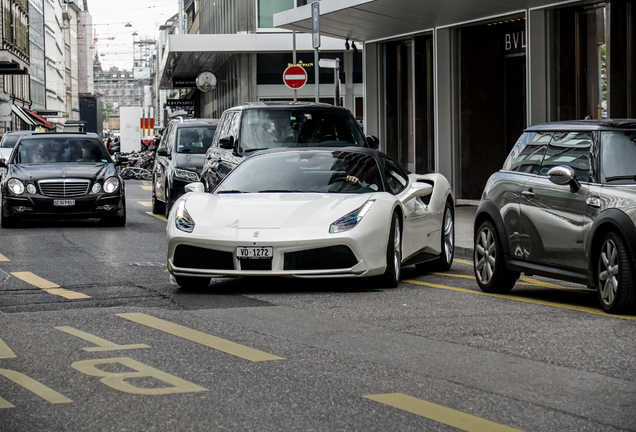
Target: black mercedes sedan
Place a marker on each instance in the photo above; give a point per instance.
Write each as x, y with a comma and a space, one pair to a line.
68, 175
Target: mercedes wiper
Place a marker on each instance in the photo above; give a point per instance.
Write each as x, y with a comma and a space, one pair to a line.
622, 177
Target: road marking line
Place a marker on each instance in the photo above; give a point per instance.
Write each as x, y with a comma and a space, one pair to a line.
49, 287
439, 413
145, 203
102, 344
5, 351
3, 258
163, 218
202, 338
144, 182
524, 280
525, 300
33, 386
146, 188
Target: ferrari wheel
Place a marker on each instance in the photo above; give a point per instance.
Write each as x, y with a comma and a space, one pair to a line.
616, 290
445, 260
489, 265
188, 282
391, 276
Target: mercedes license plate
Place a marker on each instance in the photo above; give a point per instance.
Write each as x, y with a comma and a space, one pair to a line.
63, 203
254, 252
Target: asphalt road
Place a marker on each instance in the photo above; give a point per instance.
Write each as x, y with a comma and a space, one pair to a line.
94, 335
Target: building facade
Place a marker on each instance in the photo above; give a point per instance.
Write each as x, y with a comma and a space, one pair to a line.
118, 88
450, 86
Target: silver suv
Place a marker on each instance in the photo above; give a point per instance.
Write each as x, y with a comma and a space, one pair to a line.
563, 206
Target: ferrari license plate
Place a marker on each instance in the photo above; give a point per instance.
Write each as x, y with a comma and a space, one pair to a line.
254, 252
63, 203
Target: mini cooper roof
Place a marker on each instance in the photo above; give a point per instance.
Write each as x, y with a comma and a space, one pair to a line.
585, 125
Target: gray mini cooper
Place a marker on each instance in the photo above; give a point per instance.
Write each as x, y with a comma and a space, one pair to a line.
563, 206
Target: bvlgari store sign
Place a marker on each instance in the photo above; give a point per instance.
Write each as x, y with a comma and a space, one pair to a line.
514, 42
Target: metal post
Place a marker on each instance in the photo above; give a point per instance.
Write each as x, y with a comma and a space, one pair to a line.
316, 75
294, 62
336, 81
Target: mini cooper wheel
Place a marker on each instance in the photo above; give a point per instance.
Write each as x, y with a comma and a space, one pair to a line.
188, 282
490, 269
391, 277
616, 290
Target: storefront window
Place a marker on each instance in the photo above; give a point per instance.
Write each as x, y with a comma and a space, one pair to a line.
267, 9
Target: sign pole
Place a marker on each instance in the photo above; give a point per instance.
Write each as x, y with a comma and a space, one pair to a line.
315, 30
294, 62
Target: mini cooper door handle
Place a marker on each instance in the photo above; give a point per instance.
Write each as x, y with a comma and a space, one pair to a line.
528, 193
593, 201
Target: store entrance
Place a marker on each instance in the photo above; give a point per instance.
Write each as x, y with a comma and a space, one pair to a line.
492, 98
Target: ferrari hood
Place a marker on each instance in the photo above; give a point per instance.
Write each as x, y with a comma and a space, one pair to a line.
270, 210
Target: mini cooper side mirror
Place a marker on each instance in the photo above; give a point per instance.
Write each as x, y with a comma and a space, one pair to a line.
564, 175
226, 142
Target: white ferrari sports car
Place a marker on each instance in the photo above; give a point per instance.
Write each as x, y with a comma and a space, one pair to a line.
312, 212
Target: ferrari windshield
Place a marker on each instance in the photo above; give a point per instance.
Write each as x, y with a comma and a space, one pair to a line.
305, 171
41, 149
299, 128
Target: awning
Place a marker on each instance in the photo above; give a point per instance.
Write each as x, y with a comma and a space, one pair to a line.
24, 116
41, 120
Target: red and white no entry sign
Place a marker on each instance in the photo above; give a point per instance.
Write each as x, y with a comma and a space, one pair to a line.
295, 77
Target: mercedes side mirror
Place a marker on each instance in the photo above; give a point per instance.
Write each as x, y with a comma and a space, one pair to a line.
373, 142
564, 175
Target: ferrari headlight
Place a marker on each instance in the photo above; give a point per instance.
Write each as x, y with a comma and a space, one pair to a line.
182, 219
96, 188
111, 184
15, 186
186, 175
349, 221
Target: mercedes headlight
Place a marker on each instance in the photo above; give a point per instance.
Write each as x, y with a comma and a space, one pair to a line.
96, 188
111, 184
182, 219
349, 221
15, 186
186, 175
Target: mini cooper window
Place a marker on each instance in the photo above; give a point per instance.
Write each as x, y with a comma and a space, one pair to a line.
527, 154
570, 149
618, 156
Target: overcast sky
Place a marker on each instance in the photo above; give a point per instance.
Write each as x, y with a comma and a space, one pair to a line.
110, 18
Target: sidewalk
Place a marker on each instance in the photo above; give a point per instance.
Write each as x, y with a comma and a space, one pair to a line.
464, 218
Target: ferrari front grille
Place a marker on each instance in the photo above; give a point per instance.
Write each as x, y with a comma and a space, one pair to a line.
327, 258
193, 257
64, 188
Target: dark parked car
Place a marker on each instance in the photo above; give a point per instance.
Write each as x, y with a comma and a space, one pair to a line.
68, 175
179, 160
564, 206
9, 140
248, 128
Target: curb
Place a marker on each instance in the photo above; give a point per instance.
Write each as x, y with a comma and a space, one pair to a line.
463, 253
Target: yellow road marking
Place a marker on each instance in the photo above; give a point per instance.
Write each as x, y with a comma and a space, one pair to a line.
146, 188
163, 218
3, 258
439, 413
201, 338
5, 351
102, 344
524, 281
521, 299
33, 386
527, 280
145, 203
49, 287
144, 182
